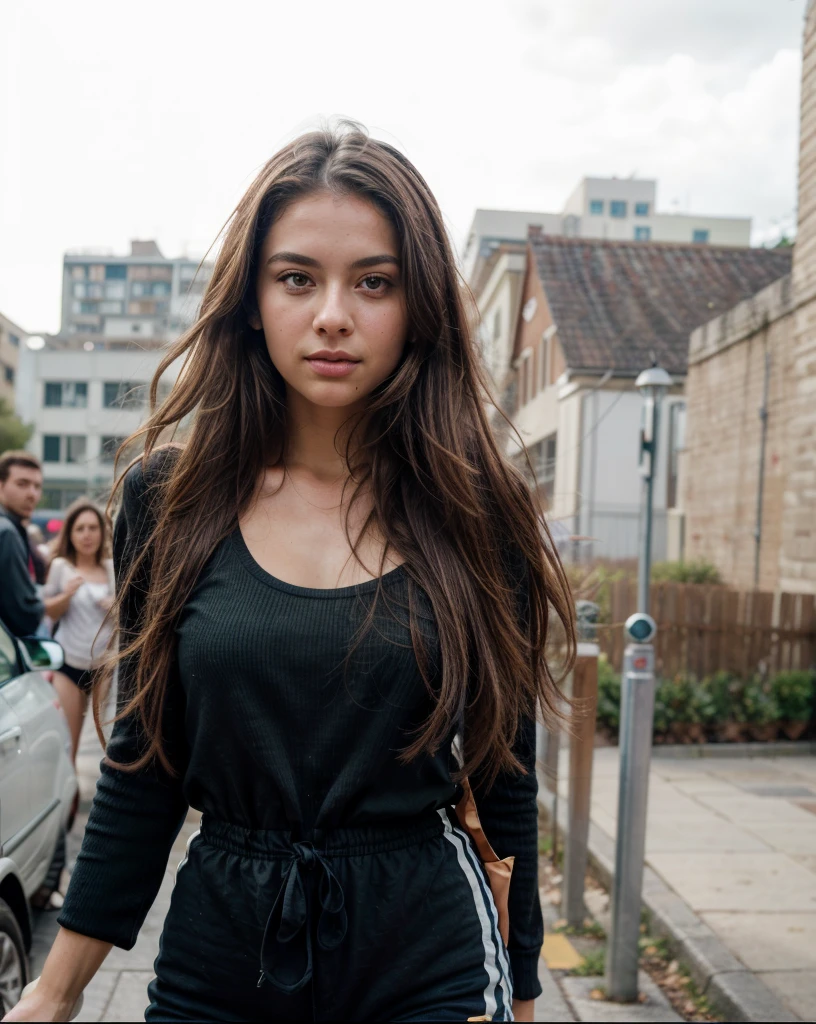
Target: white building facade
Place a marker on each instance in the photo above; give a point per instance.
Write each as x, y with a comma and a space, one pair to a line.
86, 390
83, 405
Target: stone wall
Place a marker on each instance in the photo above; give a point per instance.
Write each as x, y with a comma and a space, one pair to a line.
797, 566
722, 452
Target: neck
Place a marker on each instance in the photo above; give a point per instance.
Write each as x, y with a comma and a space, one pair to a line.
10, 513
85, 561
317, 436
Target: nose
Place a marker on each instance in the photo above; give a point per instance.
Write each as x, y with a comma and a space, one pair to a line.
333, 318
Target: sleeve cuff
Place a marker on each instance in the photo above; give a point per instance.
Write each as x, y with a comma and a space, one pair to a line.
524, 965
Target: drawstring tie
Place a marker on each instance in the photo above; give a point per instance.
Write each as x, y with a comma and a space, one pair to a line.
286, 950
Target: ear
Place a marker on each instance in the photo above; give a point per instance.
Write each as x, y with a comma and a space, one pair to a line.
255, 321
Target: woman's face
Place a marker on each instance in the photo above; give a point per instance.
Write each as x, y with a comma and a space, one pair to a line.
86, 533
330, 298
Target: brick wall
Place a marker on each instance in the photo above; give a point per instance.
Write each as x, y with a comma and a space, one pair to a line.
722, 457
797, 566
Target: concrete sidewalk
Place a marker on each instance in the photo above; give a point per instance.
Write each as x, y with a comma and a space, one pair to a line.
735, 839
119, 991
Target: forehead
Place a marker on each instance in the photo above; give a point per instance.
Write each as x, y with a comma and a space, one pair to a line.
327, 225
87, 518
24, 474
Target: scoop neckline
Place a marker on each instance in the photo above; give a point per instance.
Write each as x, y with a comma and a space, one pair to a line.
252, 566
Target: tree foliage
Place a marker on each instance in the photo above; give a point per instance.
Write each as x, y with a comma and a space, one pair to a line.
13, 432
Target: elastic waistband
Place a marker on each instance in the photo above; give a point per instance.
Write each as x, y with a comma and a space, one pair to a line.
336, 842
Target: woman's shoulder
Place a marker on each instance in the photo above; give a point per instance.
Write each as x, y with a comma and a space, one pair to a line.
147, 473
143, 485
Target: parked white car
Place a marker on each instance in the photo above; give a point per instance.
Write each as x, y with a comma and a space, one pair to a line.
37, 788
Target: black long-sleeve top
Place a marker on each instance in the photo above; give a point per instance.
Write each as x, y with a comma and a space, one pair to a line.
269, 729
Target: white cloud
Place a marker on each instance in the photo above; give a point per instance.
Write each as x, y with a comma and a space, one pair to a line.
148, 121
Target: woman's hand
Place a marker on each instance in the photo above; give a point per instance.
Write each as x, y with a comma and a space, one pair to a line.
524, 1009
73, 585
39, 1006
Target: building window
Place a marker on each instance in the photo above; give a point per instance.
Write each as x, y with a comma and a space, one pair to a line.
75, 445
700, 235
51, 447
641, 209
116, 272
542, 456
115, 290
86, 307
677, 442
78, 272
643, 234
59, 498
617, 208
14, 340
123, 394
9, 374
596, 207
110, 308
97, 272
72, 394
110, 446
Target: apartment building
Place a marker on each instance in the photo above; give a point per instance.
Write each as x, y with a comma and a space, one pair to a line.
11, 338
143, 297
86, 388
621, 209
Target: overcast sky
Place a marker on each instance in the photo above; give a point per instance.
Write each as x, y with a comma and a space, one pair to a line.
148, 120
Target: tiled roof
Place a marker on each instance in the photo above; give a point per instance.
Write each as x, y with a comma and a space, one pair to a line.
616, 303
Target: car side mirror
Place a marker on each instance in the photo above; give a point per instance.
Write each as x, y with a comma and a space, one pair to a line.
40, 654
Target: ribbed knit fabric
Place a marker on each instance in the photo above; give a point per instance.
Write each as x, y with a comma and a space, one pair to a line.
270, 728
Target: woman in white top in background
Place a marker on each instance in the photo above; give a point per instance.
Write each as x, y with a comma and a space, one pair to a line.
78, 593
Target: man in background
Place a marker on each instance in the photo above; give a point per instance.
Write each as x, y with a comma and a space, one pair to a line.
21, 609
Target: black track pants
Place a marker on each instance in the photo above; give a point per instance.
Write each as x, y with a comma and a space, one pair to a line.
385, 923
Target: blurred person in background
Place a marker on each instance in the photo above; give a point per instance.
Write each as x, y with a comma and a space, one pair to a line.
79, 593
21, 607
333, 602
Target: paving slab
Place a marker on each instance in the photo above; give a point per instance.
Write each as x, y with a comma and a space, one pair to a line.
551, 1004
769, 942
655, 1008
745, 809
797, 989
128, 1000
710, 833
752, 882
786, 837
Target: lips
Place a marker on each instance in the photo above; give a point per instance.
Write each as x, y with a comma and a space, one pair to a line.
327, 363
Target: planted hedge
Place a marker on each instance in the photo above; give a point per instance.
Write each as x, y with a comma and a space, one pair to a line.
718, 708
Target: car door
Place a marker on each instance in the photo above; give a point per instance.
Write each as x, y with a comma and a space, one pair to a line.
14, 805
43, 739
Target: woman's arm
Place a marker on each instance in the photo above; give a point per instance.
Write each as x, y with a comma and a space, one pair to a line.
509, 815
57, 595
73, 961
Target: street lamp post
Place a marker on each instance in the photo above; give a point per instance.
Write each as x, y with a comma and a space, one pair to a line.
652, 384
636, 724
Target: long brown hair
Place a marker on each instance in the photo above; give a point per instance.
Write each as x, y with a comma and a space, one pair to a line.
64, 547
444, 496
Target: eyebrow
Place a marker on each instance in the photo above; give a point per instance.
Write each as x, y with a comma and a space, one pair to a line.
309, 261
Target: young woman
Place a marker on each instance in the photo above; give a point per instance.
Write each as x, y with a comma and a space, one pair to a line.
78, 593
333, 577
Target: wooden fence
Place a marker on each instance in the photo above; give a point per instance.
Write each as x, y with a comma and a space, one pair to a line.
702, 629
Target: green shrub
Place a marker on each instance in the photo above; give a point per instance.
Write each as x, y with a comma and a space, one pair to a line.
722, 695
609, 696
793, 694
685, 572
759, 705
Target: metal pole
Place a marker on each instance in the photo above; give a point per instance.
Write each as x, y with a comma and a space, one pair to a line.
763, 416
637, 713
581, 748
650, 463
